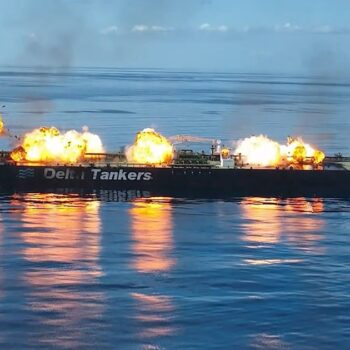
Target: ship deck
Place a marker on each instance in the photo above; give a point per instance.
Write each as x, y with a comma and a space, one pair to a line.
117, 160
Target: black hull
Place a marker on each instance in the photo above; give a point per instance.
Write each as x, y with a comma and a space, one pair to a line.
184, 181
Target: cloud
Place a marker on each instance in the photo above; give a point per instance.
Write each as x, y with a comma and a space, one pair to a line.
255, 29
139, 28
161, 29
323, 29
327, 29
288, 27
144, 28
210, 28
109, 30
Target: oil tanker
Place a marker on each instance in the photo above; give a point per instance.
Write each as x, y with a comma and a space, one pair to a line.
49, 160
190, 173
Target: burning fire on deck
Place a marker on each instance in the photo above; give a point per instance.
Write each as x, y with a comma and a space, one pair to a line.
50, 145
262, 151
150, 147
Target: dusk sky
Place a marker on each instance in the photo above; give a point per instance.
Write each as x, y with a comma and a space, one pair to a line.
234, 35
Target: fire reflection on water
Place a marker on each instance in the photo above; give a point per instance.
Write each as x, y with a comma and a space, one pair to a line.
262, 223
272, 221
152, 231
154, 314
61, 241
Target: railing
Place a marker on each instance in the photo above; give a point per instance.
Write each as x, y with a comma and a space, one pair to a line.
337, 159
192, 166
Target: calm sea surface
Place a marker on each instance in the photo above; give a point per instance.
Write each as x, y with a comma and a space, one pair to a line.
114, 271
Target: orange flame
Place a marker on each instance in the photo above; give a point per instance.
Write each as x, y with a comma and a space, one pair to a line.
259, 150
150, 147
262, 151
2, 126
49, 144
297, 151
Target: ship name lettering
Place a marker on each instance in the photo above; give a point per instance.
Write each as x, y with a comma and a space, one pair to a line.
67, 174
97, 174
120, 175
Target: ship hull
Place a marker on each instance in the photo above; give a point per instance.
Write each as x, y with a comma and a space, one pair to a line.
179, 180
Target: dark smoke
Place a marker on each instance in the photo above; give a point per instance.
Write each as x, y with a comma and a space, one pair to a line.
55, 55
325, 73
53, 34
53, 31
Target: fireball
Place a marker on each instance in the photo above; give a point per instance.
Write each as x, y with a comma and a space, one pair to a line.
50, 145
18, 154
262, 151
259, 150
150, 147
2, 126
298, 151
319, 156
